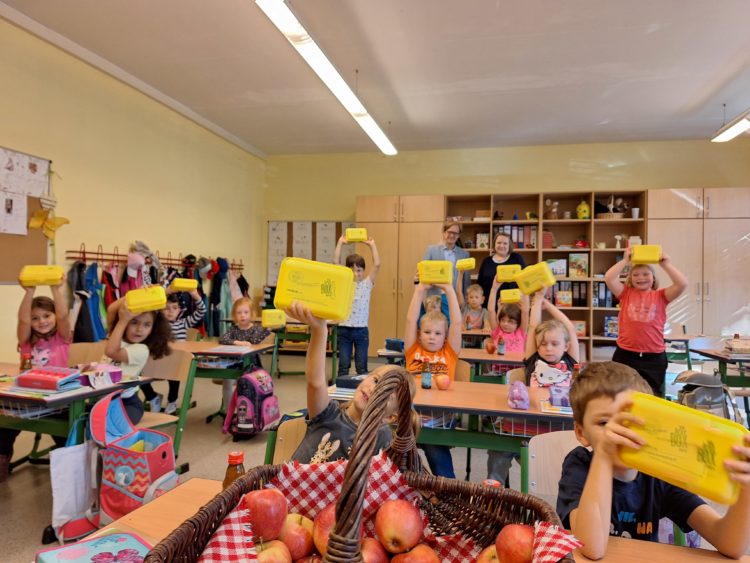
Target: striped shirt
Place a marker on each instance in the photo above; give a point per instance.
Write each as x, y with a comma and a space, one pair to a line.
180, 326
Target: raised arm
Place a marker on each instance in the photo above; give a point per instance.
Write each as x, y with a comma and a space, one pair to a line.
114, 347
61, 311
315, 359
492, 304
412, 315
337, 253
557, 314
454, 331
679, 280
460, 290
535, 318
24, 315
524, 312
612, 277
375, 259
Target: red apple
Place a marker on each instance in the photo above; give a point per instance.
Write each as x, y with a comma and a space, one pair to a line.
515, 544
490, 346
398, 525
310, 559
488, 555
423, 553
297, 534
273, 551
268, 510
373, 552
442, 381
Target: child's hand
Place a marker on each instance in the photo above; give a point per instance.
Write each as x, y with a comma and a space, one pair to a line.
298, 311
242, 343
60, 283
665, 259
739, 469
445, 287
168, 290
495, 284
195, 295
342, 239
125, 314
370, 242
616, 434
626, 256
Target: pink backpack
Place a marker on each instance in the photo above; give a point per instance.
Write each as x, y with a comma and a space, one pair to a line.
137, 465
253, 406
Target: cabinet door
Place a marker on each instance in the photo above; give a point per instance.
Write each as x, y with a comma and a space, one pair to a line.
380, 209
726, 202
682, 241
675, 204
383, 302
420, 208
726, 267
413, 240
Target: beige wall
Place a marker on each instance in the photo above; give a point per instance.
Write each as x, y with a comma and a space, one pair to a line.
126, 167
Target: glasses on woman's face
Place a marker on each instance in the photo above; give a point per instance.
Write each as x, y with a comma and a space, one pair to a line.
452, 233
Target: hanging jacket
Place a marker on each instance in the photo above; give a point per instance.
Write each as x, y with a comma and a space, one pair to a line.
92, 286
83, 331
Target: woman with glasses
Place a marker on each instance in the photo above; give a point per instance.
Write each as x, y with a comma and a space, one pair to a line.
502, 255
449, 250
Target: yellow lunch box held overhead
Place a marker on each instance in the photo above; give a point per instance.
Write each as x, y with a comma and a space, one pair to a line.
356, 235
183, 284
435, 271
645, 254
510, 295
505, 274
685, 447
272, 318
535, 277
40, 275
326, 289
145, 299
466, 264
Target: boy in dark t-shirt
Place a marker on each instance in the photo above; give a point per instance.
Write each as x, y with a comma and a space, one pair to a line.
599, 496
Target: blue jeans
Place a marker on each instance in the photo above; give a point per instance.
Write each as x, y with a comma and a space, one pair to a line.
353, 337
440, 460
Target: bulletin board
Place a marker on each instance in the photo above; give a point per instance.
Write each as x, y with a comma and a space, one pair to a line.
24, 179
314, 240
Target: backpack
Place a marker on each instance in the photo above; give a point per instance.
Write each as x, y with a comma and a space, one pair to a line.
707, 393
253, 406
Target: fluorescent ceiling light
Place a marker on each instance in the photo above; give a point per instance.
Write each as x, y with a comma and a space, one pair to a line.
732, 129
286, 22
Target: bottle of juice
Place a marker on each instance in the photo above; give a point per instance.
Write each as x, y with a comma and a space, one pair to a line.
235, 468
500, 346
25, 362
426, 376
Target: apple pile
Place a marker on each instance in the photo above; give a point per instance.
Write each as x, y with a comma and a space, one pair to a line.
281, 537
514, 544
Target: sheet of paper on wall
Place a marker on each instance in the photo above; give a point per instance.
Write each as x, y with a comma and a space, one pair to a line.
325, 241
23, 173
348, 249
302, 239
277, 243
13, 213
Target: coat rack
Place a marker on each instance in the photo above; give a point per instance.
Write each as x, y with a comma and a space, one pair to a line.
99, 255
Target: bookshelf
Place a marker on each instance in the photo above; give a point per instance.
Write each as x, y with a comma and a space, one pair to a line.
540, 237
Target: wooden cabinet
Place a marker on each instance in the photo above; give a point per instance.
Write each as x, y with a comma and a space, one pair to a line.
726, 203
399, 209
381, 209
675, 203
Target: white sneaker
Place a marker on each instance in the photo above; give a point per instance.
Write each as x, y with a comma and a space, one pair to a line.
155, 404
171, 408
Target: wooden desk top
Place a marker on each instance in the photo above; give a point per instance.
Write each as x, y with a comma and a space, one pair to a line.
203, 347
7, 368
722, 355
475, 332
481, 356
621, 550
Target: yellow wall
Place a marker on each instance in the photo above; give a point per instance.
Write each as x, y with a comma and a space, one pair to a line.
126, 167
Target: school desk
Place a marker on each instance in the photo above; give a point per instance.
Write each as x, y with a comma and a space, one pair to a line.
475, 356
296, 331
741, 380
155, 520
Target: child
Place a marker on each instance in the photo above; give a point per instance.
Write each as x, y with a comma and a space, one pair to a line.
43, 332
433, 341
474, 316
643, 312
179, 328
353, 332
243, 332
132, 339
600, 496
330, 427
433, 304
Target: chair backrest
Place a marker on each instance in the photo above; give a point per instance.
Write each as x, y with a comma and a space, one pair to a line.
176, 366
289, 436
463, 371
86, 352
516, 374
546, 455
193, 335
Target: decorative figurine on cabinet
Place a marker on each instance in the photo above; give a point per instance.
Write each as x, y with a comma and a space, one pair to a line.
550, 209
583, 211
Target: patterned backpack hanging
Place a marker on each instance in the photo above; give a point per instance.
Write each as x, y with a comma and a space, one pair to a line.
253, 406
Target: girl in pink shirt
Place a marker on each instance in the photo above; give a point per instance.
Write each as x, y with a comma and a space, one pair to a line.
643, 312
510, 322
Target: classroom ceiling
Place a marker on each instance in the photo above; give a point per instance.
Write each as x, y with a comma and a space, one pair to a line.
435, 74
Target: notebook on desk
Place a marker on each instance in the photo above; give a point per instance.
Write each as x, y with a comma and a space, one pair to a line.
229, 349
119, 546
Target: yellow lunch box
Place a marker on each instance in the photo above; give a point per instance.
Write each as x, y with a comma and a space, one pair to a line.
183, 284
326, 289
645, 254
685, 447
505, 274
510, 295
356, 235
535, 277
40, 275
272, 318
145, 299
435, 271
466, 264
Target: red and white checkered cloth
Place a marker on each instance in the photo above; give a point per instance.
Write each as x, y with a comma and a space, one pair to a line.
552, 543
232, 541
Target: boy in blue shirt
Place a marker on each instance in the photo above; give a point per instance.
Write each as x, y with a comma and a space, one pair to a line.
600, 496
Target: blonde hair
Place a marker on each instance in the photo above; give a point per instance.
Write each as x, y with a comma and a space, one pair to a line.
433, 302
433, 317
548, 326
239, 303
629, 280
475, 288
603, 379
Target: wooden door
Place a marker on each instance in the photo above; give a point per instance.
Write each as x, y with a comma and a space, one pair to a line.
421, 208
380, 209
726, 270
675, 203
383, 303
726, 202
413, 240
682, 241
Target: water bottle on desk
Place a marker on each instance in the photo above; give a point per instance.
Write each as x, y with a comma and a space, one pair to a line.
426, 376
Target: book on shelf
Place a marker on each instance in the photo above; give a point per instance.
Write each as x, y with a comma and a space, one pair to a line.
532, 236
483, 240
580, 327
578, 265
611, 326
559, 267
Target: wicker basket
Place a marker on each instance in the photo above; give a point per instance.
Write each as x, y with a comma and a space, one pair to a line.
452, 506
610, 215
